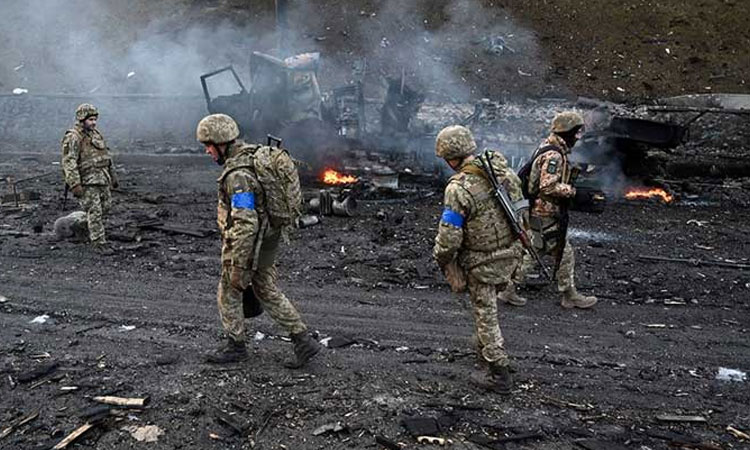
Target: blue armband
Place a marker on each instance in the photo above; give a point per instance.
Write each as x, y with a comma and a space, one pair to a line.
243, 200
452, 218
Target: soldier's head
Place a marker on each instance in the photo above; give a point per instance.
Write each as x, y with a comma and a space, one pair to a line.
569, 126
217, 132
87, 115
454, 144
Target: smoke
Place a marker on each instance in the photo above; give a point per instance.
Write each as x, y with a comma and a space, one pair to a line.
452, 50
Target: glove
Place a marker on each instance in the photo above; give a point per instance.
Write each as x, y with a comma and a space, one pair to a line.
77, 191
238, 278
455, 276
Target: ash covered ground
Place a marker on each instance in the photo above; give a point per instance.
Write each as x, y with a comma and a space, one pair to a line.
134, 324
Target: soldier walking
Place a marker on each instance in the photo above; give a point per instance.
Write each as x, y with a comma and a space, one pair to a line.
475, 245
88, 171
251, 227
550, 185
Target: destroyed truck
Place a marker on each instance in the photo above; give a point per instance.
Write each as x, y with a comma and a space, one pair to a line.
283, 100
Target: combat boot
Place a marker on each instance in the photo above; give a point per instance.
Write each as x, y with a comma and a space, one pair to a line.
510, 296
572, 299
103, 248
305, 348
498, 379
230, 352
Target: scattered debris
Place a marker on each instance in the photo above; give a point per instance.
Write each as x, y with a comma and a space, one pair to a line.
230, 421
387, 443
738, 434
308, 221
431, 440
338, 341
40, 319
334, 427
38, 372
73, 226
147, 433
679, 418
695, 262
19, 423
78, 432
154, 224
725, 374
123, 402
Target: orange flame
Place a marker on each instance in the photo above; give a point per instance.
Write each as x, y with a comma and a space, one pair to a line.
330, 176
641, 193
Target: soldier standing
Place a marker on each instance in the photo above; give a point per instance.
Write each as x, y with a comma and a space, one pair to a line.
475, 246
250, 241
88, 171
549, 182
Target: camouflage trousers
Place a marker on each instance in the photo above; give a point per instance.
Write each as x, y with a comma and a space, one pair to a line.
96, 201
545, 243
490, 342
274, 302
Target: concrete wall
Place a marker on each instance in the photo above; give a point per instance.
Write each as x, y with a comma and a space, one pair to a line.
127, 121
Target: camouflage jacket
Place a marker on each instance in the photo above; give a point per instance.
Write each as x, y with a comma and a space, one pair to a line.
473, 227
240, 214
86, 159
550, 177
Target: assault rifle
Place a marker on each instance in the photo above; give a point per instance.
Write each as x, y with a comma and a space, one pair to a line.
515, 220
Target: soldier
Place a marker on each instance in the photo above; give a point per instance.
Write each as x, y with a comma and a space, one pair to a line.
249, 243
474, 245
549, 181
88, 171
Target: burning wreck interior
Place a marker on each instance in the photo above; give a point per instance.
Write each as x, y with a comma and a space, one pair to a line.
101, 350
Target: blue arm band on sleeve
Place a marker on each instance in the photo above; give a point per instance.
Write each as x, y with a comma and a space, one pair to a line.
243, 200
452, 218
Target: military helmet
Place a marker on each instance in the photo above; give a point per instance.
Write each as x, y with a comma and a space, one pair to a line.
217, 129
86, 110
566, 121
455, 142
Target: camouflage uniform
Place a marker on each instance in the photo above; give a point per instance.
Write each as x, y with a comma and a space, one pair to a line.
86, 162
474, 231
550, 181
551, 173
250, 243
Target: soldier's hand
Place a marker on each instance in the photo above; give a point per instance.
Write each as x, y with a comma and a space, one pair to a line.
455, 276
77, 191
115, 183
237, 278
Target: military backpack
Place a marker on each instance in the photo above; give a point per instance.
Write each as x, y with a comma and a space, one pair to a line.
524, 173
277, 175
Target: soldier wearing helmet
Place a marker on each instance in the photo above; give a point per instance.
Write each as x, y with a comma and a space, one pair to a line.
549, 182
474, 246
88, 171
249, 245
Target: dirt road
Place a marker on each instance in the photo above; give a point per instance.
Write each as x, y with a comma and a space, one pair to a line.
135, 324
